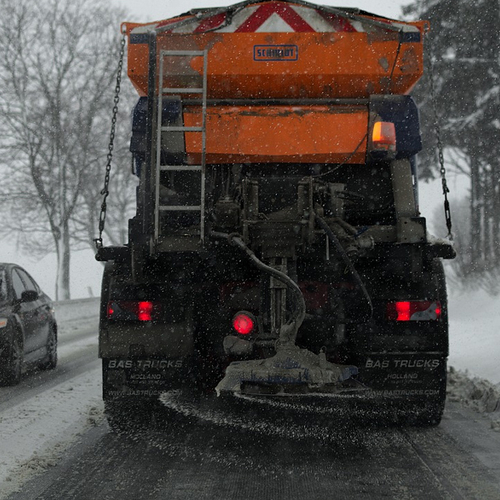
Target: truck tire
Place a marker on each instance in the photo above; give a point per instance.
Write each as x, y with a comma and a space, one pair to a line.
433, 414
129, 416
430, 413
126, 414
424, 414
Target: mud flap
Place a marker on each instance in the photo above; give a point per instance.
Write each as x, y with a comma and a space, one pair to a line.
405, 376
142, 378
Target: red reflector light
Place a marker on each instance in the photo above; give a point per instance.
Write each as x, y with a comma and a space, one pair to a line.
384, 136
145, 311
131, 310
403, 311
243, 323
414, 310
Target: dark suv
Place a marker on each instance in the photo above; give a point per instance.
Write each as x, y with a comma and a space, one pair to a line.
28, 329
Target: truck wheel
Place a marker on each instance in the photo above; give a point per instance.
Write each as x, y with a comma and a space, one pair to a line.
129, 416
10, 373
431, 413
431, 416
425, 414
126, 414
50, 361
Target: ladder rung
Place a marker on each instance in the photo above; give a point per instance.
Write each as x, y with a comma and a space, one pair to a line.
182, 129
167, 132
182, 52
180, 90
180, 168
180, 208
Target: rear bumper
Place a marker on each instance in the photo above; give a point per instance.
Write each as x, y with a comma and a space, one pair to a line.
416, 376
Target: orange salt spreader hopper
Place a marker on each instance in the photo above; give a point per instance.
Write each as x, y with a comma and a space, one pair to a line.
286, 82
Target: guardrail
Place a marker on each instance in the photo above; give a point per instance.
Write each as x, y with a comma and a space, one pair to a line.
77, 309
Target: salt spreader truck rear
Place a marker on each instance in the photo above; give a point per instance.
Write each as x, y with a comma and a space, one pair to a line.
277, 248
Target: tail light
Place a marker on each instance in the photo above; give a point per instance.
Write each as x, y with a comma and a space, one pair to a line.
131, 310
414, 310
244, 323
383, 137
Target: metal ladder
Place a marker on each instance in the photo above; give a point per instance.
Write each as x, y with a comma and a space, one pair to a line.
178, 91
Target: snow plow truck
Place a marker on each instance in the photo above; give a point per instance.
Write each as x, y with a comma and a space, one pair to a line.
277, 248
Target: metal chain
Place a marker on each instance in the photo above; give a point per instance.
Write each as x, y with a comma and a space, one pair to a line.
116, 100
442, 168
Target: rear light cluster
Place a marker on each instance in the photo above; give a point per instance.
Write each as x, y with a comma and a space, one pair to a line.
383, 140
414, 310
244, 323
384, 136
131, 310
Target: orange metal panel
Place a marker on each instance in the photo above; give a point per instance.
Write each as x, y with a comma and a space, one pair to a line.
268, 134
137, 61
326, 65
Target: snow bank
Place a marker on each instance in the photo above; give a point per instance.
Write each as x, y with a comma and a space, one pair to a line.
475, 334
76, 309
476, 393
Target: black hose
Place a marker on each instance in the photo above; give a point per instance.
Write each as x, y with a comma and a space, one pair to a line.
299, 313
347, 261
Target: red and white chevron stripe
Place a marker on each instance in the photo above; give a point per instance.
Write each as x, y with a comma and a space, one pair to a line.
269, 17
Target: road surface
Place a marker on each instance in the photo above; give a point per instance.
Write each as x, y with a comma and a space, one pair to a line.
55, 444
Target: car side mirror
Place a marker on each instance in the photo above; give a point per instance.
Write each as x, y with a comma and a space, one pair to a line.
29, 296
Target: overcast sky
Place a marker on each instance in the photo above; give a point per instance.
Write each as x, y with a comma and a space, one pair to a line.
153, 10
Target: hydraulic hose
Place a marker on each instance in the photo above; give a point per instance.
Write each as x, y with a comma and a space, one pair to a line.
347, 261
299, 313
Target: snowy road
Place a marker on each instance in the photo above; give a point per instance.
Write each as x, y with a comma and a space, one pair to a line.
48, 411
54, 444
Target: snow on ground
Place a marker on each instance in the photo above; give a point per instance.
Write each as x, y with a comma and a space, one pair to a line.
475, 334
476, 393
35, 433
71, 310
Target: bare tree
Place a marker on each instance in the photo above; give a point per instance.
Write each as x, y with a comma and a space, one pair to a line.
122, 197
464, 48
56, 74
